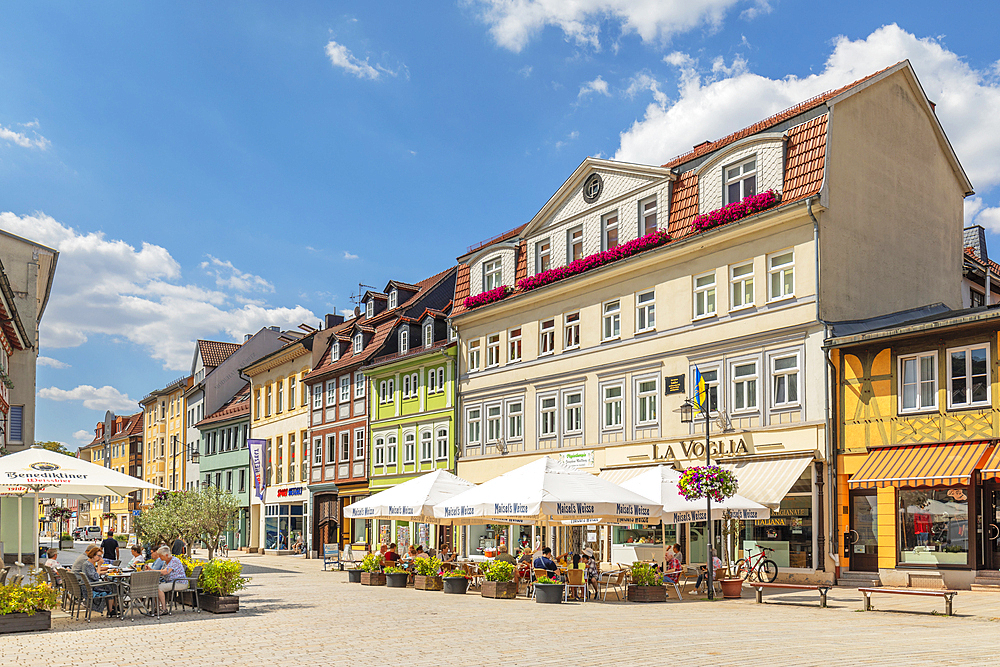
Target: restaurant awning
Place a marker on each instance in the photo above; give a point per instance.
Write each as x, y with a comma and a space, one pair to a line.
767, 479
942, 464
621, 475
991, 469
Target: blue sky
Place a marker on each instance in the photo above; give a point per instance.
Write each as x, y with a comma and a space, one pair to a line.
210, 168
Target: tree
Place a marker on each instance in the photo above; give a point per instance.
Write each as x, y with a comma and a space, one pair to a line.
57, 447
191, 515
217, 510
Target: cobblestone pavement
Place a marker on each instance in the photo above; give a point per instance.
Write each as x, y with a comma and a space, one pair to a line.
295, 612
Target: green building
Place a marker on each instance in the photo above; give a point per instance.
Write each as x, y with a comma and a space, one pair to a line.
412, 416
225, 458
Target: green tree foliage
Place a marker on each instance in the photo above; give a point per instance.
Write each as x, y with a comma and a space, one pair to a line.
202, 514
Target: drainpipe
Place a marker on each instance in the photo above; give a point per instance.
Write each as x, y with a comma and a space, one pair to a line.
830, 468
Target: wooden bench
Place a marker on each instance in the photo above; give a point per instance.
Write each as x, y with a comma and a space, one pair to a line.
760, 585
947, 595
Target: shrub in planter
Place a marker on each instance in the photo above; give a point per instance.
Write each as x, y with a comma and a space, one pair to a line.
395, 577
646, 585
220, 579
456, 583
499, 580
428, 577
548, 591
26, 608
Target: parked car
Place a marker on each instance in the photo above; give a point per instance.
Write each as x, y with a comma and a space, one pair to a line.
88, 533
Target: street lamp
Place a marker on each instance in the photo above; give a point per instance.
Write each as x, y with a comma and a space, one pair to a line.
687, 411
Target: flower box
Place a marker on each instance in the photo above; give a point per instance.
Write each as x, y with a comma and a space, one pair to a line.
422, 583
220, 604
736, 211
456, 585
40, 620
354, 576
396, 579
501, 590
637, 593
489, 296
372, 579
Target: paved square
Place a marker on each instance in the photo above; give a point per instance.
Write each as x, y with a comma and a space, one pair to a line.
295, 612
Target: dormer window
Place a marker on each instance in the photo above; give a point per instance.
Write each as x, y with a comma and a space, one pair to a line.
428, 333
492, 274
358, 342
404, 341
609, 231
393, 299
740, 180
369, 308
543, 254
335, 350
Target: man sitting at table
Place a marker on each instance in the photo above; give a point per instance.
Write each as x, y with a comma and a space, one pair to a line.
502, 555
390, 554
545, 562
447, 555
174, 577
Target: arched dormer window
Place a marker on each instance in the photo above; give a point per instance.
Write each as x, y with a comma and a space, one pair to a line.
359, 342
428, 333
404, 341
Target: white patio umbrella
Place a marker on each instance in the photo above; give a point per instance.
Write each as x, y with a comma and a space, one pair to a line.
413, 500
51, 474
660, 484
547, 491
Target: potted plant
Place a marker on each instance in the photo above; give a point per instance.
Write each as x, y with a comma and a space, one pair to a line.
354, 575
220, 579
499, 581
717, 483
26, 608
60, 515
395, 577
548, 591
428, 577
645, 585
456, 582
371, 570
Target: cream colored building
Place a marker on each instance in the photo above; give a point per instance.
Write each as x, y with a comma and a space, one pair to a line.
280, 417
591, 367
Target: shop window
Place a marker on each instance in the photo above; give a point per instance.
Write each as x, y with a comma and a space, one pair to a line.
918, 382
969, 376
933, 526
789, 530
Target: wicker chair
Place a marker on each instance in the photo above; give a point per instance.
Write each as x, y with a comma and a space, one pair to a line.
144, 589
74, 594
111, 589
192, 588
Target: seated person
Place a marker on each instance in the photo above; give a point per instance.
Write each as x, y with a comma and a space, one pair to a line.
390, 555
420, 552
174, 577
299, 546
545, 562
593, 572
672, 574
502, 555
93, 567
52, 563
137, 561
703, 572
447, 555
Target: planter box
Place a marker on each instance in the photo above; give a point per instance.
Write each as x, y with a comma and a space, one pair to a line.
549, 593
372, 579
220, 604
354, 576
636, 593
65, 544
40, 620
422, 583
502, 590
456, 585
396, 580
732, 589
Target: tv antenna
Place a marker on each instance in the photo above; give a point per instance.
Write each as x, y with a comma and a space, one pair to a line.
356, 298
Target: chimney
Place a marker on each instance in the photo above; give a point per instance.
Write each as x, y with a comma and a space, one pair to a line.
278, 329
332, 320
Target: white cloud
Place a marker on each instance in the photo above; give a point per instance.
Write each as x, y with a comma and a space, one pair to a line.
598, 86
227, 275
525, 71
83, 436
711, 105
22, 139
514, 23
93, 398
341, 56
52, 363
348, 255
977, 213
108, 287
572, 136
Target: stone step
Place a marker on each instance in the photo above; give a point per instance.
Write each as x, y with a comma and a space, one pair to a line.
985, 588
988, 574
859, 579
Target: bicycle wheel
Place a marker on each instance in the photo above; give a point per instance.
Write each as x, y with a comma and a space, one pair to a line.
767, 571
743, 570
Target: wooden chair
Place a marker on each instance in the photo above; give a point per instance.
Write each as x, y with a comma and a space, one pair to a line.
538, 572
575, 579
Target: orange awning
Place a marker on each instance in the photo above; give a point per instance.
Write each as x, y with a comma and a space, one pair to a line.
991, 469
948, 464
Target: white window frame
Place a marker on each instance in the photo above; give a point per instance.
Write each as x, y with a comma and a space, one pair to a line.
428, 333
968, 376
335, 350
514, 420
359, 342
548, 416
493, 350
494, 422
382, 397
391, 449
331, 392
514, 348
780, 270
474, 430
741, 286
572, 412
645, 311
378, 451
440, 373
646, 399
414, 385
393, 298
704, 295
571, 331
441, 443
547, 337
369, 308
609, 413
611, 320
610, 221
345, 452
409, 448
741, 178
474, 349
543, 255
432, 382
647, 210
359, 444
426, 446
404, 340
574, 236
734, 382
492, 273
359, 385
345, 388
406, 386
317, 451
317, 391
776, 374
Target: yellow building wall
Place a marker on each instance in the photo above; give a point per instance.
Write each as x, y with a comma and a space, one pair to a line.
886, 505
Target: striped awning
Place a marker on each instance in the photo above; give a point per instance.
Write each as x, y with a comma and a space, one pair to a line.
948, 464
991, 469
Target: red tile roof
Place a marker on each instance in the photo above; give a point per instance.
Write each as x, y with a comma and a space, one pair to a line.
497, 239
994, 267
234, 408
683, 204
136, 426
805, 156
214, 352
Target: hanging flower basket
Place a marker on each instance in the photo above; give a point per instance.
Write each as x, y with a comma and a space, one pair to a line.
707, 482
737, 210
490, 296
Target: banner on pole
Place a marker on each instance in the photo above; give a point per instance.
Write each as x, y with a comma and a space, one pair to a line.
257, 466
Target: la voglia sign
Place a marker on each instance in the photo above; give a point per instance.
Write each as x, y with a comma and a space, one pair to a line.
695, 449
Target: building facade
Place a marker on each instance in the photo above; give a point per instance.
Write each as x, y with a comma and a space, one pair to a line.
725, 263
124, 446
164, 423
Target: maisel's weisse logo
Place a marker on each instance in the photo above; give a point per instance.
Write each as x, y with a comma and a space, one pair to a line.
44, 467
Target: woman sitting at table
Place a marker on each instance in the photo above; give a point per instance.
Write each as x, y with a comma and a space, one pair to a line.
92, 566
592, 577
174, 577
137, 560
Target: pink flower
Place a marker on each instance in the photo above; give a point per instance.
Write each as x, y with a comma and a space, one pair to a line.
487, 297
736, 211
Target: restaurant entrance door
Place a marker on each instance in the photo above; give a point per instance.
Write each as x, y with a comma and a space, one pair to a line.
991, 526
864, 531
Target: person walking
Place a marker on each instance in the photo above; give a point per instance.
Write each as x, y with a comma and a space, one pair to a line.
111, 547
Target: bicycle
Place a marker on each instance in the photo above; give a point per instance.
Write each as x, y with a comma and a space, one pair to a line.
764, 569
